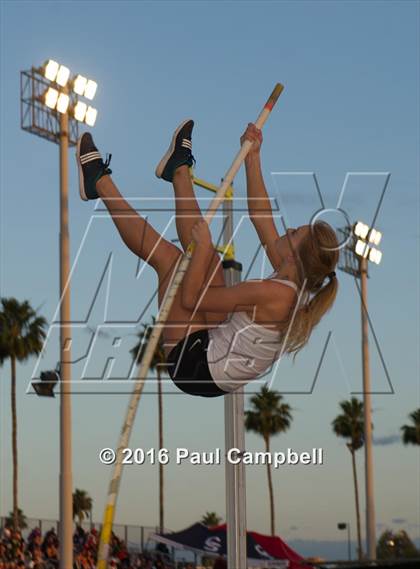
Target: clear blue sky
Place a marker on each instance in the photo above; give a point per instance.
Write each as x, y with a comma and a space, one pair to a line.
351, 76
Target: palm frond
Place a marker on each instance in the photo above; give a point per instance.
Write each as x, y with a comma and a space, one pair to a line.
350, 424
22, 330
411, 433
269, 415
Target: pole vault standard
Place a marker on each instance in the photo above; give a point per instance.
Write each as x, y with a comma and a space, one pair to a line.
235, 486
234, 431
155, 335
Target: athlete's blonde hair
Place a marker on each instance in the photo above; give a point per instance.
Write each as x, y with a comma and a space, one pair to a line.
317, 257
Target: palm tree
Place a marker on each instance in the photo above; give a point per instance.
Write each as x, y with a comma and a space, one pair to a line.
211, 519
411, 433
350, 425
82, 505
158, 364
22, 521
268, 417
22, 336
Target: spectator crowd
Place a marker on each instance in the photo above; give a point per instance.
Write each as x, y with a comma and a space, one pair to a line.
42, 552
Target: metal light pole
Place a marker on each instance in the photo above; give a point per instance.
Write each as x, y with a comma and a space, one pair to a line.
349, 541
66, 474
51, 109
342, 526
367, 411
358, 251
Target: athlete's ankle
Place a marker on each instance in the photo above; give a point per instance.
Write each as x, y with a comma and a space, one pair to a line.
182, 171
101, 184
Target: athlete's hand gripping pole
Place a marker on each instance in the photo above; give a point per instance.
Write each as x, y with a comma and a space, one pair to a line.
240, 157
157, 330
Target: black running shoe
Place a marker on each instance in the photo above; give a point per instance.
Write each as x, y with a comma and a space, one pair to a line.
178, 153
91, 166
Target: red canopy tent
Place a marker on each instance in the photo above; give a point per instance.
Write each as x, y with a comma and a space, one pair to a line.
276, 547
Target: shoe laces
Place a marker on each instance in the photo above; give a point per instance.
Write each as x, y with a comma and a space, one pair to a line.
107, 161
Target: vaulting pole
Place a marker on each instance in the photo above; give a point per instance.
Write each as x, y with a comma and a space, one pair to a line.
157, 330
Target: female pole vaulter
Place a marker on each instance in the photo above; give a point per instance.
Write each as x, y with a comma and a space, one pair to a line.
218, 338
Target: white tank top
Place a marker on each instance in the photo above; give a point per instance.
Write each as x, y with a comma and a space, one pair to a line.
240, 350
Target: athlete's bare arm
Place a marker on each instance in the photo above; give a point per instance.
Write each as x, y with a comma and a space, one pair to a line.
196, 295
259, 206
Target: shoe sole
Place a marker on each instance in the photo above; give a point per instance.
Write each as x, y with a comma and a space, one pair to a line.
162, 164
81, 178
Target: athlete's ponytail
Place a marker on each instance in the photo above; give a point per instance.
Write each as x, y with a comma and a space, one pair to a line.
318, 255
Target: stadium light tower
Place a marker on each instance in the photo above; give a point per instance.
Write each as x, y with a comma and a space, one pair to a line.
51, 107
361, 242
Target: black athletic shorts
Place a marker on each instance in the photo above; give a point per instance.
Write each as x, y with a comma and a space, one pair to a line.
188, 367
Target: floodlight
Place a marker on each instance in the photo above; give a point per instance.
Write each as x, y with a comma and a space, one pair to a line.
342, 525
375, 236
90, 117
90, 89
45, 387
80, 111
63, 103
63, 75
361, 249
79, 84
51, 70
375, 256
361, 230
51, 97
